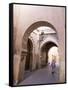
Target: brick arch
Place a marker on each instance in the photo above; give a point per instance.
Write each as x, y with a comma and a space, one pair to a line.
33, 27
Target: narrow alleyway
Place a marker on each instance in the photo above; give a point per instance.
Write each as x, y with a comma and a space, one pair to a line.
41, 76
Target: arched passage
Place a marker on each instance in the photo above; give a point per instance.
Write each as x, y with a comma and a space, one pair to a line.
27, 46
31, 28
44, 52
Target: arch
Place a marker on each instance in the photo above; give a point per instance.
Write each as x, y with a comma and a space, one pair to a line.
49, 39
26, 35
33, 27
45, 48
48, 45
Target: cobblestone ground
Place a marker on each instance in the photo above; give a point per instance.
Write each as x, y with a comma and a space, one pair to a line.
41, 76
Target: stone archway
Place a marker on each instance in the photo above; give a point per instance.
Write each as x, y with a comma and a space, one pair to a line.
25, 40
32, 28
44, 52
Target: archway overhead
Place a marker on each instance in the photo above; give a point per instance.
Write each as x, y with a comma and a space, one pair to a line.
33, 27
45, 29
38, 24
44, 51
48, 45
49, 39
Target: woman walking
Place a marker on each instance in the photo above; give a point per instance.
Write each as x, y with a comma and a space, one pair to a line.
53, 65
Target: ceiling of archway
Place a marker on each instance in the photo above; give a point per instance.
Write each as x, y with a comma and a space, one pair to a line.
39, 30
44, 29
48, 45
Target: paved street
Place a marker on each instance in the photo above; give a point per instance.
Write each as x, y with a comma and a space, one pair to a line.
41, 76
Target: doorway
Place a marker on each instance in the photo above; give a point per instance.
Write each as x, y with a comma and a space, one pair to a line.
28, 64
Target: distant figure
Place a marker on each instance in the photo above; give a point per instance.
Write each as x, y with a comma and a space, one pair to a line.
53, 65
48, 63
